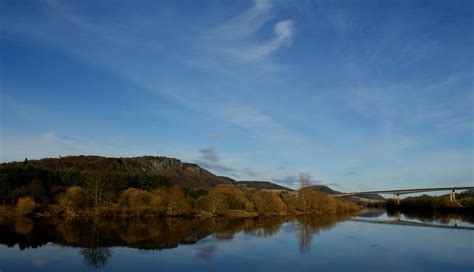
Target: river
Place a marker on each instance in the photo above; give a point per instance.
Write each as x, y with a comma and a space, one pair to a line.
371, 240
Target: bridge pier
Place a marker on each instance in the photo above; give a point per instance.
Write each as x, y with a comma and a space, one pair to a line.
452, 196
397, 199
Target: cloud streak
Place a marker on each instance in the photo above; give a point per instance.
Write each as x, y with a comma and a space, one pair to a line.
236, 38
209, 159
283, 31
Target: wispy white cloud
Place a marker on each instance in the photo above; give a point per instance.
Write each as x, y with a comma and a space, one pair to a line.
237, 37
283, 31
244, 25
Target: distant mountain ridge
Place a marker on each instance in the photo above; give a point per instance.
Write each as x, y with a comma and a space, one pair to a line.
174, 170
266, 185
327, 190
179, 173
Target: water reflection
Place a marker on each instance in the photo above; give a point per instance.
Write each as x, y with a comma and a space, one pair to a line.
96, 257
309, 226
418, 219
96, 238
451, 219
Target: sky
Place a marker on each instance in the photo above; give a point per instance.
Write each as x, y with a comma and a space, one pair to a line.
363, 95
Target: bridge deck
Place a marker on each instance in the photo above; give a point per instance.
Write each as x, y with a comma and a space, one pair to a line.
405, 191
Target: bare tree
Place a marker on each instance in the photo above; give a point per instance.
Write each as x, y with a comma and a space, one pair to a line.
305, 180
99, 188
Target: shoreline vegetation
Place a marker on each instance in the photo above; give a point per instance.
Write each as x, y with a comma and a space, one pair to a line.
464, 203
147, 186
221, 201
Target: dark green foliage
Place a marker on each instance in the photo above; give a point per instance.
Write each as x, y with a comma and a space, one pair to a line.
43, 179
432, 203
142, 186
195, 193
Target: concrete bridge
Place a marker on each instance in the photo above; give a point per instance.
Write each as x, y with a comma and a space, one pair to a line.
397, 193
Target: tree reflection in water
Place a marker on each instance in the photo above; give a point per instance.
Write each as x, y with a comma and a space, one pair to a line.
96, 237
307, 226
96, 257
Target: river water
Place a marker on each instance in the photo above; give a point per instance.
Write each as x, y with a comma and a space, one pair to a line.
369, 241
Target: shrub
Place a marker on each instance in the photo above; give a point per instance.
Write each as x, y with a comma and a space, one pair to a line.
135, 201
73, 200
268, 202
25, 206
171, 201
223, 198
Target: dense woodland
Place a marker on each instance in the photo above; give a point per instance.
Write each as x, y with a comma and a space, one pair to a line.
108, 187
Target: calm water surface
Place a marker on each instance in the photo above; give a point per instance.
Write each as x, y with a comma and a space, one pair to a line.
369, 241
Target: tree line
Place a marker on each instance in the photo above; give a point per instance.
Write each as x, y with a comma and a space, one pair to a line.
463, 202
222, 200
111, 189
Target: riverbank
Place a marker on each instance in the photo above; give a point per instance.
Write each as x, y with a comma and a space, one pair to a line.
220, 201
8, 211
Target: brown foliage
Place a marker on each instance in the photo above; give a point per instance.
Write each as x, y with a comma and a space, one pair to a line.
268, 202
25, 205
310, 201
223, 198
172, 201
73, 200
23, 225
135, 201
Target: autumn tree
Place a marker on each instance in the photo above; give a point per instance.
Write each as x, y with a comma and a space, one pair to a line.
99, 188
37, 190
304, 180
173, 201
25, 205
135, 201
223, 198
268, 202
74, 199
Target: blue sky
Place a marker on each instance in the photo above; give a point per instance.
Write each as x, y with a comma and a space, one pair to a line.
361, 94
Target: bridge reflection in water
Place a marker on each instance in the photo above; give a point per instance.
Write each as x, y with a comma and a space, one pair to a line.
412, 223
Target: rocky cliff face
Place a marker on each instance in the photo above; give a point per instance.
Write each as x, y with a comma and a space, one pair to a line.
179, 173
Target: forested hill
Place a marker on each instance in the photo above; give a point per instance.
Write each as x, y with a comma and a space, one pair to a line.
265, 185
144, 172
327, 190
148, 186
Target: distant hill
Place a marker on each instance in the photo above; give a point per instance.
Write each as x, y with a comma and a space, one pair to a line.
327, 190
265, 185
71, 170
146, 172
324, 189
